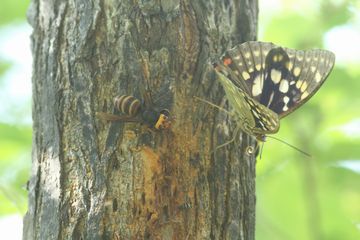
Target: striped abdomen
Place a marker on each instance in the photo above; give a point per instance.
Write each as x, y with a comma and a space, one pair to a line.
128, 105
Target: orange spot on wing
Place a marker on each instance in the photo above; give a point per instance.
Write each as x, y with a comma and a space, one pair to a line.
227, 61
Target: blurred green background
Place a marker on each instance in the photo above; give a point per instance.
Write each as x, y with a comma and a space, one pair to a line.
314, 198
297, 197
15, 116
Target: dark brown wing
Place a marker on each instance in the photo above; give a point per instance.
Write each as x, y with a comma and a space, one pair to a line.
283, 85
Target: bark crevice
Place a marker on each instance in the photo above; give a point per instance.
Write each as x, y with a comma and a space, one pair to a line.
98, 180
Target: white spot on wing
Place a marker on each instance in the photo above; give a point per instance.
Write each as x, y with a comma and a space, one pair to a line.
296, 71
273, 121
286, 100
284, 86
290, 66
258, 85
255, 113
271, 98
303, 87
317, 77
275, 76
245, 75
304, 95
299, 83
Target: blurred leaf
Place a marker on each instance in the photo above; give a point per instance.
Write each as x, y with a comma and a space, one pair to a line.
295, 31
13, 133
3, 67
13, 200
12, 10
289, 185
15, 154
15, 140
335, 13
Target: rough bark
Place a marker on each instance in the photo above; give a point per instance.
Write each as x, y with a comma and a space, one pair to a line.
96, 180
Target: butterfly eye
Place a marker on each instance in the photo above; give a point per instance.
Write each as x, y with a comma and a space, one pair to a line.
261, 138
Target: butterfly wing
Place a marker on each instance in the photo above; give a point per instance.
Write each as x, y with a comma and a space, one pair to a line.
308, 70
246, 63
254, 118
280, 85
275, 91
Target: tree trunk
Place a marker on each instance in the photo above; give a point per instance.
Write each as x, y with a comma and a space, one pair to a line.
98, 180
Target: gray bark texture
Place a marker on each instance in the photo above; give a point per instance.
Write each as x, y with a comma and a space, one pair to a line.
93, 179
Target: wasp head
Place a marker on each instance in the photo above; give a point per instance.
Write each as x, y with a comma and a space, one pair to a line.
164, 121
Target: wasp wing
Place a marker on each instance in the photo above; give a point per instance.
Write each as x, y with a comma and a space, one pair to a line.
112, 117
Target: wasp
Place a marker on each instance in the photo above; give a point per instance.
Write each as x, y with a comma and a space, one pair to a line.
185, 205
133, 109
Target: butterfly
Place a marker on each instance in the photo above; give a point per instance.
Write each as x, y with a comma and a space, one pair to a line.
264, 82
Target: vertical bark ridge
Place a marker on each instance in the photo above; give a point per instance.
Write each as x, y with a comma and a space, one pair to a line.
98, 180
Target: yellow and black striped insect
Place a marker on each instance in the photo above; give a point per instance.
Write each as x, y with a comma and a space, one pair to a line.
264, 82
185, 205
135, 110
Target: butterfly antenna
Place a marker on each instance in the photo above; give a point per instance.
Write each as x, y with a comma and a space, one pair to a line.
213, 105
292, 146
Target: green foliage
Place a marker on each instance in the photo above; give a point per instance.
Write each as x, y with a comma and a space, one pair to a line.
340, 13
3, 67
15, 159
13, 10
313, 198
15, 140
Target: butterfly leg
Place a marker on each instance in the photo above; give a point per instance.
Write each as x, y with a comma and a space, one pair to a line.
214, 105
235, 134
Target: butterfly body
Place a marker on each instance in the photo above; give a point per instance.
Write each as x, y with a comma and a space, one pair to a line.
246, 107
264, 82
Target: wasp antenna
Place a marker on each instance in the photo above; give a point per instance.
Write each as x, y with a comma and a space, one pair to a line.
213, 105
292, 146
